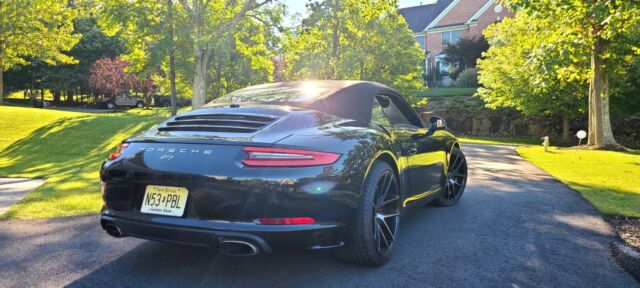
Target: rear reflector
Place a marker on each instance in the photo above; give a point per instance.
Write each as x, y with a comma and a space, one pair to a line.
286, 221
278, 157
118, 151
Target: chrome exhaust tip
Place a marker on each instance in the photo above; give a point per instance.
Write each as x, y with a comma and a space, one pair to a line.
113, 230
238, 248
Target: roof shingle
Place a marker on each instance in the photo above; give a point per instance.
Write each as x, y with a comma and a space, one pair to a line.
419, 17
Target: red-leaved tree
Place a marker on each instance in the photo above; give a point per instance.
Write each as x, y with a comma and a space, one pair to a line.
108, 77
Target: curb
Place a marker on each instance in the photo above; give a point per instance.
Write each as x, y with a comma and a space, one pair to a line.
627, 257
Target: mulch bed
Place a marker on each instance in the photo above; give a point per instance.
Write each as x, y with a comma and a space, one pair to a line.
629, 230
628, 256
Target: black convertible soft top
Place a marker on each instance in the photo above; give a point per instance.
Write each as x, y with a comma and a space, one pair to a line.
347, 99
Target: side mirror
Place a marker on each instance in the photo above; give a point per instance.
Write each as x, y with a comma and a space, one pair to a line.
384, 101
437, 123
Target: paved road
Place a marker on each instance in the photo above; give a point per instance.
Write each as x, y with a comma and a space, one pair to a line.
515, 227
13, 189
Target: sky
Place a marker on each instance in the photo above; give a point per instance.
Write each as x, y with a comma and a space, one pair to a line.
297, 6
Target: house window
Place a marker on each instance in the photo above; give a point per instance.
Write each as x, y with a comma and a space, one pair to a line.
441, 65
450, 38
420, 40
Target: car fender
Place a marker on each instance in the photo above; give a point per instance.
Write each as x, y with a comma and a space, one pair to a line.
387, 150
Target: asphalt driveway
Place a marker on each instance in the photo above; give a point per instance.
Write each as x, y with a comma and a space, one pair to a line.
514, 227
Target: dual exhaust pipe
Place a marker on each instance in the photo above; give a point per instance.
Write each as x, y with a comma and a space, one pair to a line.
113, 230
235, 247
230, 247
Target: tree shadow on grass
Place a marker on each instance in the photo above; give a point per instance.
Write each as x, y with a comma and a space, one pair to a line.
68, 153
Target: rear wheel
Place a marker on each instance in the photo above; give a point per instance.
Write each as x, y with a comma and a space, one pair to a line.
140, 105
455, 179
110, 105
377, 220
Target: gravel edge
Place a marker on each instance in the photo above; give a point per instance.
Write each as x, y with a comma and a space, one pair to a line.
626, 250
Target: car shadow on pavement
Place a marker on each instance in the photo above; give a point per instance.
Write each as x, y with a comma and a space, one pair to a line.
153, 264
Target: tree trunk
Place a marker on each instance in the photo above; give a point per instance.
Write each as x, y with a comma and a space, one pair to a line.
199, 81
336, 39
600, 132
1, 76
1, 84
56, 97
70, 96
172, 56
200, 47
566, 133
41, 96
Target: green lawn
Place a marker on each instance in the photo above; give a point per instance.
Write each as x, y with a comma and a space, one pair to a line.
499, 140
18, 123
609, 180
449, 91
65, 148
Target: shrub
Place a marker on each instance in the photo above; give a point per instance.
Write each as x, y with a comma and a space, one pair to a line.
468, 78
434, 77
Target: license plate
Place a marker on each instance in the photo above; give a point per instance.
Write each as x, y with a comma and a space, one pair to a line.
164, 200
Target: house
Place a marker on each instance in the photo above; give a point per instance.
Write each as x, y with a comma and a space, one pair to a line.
444, 22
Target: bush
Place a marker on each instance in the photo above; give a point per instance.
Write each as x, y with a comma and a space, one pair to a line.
468, 78
434, 77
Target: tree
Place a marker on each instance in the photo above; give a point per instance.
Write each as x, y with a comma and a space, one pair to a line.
522, 71
67, 78
148, 28
209, 19
108, 77
243, 55
355, 39
40, 29
93, 45
465, 53
608, 30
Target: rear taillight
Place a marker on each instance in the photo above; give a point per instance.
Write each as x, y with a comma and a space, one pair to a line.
278, 157
286, 221
118, 152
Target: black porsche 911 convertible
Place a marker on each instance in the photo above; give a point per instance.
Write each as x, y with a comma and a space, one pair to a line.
299, 165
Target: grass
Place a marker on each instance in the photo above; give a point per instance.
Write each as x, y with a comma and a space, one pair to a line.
494, 140
450, 91
17, 102
17, 123
609, 180
164, 112
66, 149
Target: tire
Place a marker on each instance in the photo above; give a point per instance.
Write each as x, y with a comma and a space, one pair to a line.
110, 105
455, 180
372, 240
140, 105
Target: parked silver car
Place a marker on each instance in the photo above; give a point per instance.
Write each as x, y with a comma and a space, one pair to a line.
124, 100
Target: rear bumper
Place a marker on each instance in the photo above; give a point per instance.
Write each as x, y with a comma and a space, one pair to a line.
209, 233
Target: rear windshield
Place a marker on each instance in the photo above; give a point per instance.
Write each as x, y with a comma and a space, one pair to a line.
274, 95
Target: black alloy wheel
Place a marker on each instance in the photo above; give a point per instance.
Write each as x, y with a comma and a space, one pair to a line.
455, 179
386, 210
377, 220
